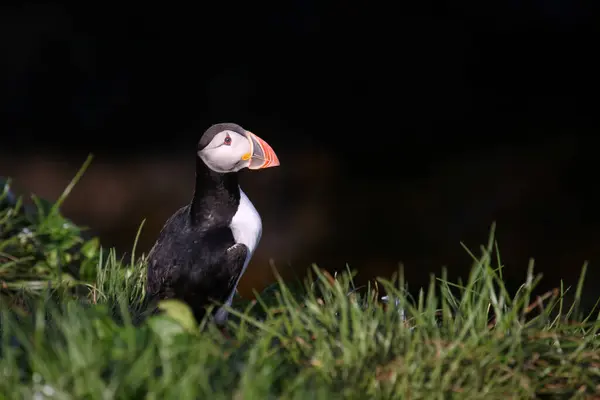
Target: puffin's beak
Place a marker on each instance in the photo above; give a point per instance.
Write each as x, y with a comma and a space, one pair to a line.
261, 154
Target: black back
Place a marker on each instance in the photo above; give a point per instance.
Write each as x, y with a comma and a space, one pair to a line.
194, 258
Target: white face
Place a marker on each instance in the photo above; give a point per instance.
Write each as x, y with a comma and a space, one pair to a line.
229, 151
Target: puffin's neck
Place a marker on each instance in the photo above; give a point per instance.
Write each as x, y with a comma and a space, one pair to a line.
216, 195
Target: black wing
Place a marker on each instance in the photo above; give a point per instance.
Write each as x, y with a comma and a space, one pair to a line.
196, 267
203, 288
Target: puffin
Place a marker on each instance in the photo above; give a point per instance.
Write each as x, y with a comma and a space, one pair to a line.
204, 248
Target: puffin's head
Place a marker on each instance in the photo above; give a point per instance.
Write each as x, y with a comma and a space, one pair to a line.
229, 148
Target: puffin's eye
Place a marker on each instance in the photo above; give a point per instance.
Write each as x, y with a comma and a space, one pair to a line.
227, 140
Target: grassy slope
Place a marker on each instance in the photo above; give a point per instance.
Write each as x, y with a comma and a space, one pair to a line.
73, 325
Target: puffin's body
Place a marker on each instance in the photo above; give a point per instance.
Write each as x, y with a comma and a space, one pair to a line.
205, 247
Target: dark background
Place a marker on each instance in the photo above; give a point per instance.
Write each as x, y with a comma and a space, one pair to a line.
401, 132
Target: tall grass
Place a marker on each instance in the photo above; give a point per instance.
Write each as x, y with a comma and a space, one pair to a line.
95, 335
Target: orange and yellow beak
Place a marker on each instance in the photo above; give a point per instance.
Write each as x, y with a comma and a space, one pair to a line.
261, 154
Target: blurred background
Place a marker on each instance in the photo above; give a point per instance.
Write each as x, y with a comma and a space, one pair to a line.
400, 132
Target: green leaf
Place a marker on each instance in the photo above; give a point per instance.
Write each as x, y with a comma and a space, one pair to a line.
165, 327
179, 312
90, 248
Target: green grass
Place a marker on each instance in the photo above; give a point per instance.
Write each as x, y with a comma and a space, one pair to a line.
75, 324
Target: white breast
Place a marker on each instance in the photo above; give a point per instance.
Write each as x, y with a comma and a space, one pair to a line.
246, 227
